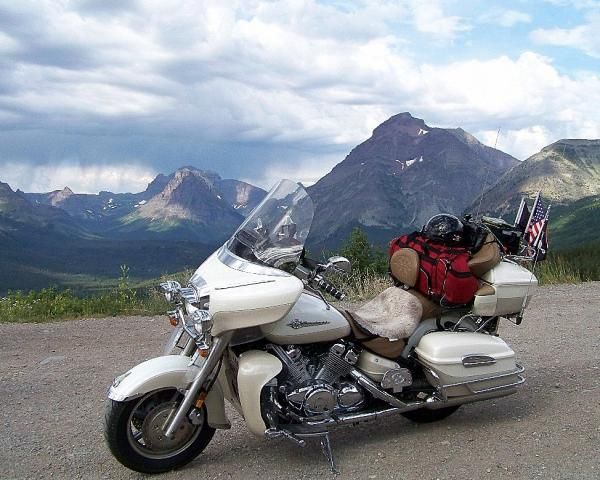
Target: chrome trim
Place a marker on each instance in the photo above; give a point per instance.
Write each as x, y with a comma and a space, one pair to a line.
474, 360
296, 324
170, 288
476, 397
470, 384
396, 379
231, 260
249, 284
520, 381
374, 390
216, 352
190, 346
189, 294
312, 429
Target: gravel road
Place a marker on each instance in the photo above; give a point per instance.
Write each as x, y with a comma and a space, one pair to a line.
54, 377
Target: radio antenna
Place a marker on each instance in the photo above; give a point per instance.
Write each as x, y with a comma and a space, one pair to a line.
487, 174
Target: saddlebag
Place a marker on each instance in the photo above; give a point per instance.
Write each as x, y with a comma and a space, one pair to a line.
467, 363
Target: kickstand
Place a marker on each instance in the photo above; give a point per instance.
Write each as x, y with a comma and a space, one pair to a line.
326, 448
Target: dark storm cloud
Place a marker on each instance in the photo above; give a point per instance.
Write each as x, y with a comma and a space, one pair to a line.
37, 43
254, 89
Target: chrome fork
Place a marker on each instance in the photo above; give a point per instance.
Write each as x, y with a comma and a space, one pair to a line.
218, 346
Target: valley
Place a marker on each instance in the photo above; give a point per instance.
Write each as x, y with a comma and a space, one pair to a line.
391, 183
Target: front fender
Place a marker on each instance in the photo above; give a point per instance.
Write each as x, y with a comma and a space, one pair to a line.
171, 371
255, 369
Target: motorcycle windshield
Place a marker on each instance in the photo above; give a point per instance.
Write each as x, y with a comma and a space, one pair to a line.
276, 230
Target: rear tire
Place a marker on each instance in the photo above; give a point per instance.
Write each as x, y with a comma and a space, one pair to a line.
425, 415
132, 432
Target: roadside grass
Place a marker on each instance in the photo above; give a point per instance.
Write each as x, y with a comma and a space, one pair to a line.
143, 298
53, 303
361, 285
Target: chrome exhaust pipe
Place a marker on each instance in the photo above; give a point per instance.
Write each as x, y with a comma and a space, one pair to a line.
434, 403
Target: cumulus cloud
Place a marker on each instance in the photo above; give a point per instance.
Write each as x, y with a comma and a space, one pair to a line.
583, 37
430, 18
254, 89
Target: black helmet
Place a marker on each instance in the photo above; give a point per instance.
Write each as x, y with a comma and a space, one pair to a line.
444, 228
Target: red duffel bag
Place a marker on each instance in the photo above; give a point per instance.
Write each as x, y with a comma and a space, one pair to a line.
444, 274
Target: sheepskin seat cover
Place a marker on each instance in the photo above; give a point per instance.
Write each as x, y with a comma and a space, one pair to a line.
393, 314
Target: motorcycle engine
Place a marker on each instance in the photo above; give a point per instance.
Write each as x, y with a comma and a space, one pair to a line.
317, 385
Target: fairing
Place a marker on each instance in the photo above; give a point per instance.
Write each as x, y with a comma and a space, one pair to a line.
244, 279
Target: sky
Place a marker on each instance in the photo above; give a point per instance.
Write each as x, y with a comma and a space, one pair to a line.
105, 94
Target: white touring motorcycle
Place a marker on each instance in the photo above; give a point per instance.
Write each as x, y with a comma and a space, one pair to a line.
253, 328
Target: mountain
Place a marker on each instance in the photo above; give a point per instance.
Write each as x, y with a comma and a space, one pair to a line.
565, 171
401, 176
189, 206
62, 237
574, 224
242, 196
167, 204
96, 210
17, 214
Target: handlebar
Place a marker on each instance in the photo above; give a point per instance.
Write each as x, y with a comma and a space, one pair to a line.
329, 288
309, 272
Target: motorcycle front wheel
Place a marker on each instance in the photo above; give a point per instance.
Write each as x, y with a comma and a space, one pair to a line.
134, 433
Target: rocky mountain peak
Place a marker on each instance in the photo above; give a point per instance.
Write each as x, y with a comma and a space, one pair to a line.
184, 186
566, 171
208, 176
12, 201
402, 175
565, 143
156, 186
165, 185
402, 123
8, 198
189, 199
57, 197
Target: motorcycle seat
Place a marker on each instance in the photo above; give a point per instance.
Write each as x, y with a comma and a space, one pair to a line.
404, 266
379, 345
393, 314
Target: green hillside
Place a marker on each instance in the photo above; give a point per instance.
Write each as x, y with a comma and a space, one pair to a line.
575, 224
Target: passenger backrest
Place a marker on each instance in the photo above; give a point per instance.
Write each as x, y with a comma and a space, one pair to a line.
404, 266
486, 258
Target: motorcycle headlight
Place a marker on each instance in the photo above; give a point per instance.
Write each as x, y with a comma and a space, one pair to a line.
202, 321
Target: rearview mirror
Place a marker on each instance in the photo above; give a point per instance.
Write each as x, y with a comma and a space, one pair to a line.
341, 264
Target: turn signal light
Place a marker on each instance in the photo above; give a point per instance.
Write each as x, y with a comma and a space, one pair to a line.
200, 399
203, 352
173, 319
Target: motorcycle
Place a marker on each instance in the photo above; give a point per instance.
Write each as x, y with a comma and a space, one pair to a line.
254, 327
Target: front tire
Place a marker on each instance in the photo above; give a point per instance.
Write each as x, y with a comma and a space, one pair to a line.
133, 432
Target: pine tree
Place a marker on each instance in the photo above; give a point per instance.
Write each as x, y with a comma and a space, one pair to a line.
358, 250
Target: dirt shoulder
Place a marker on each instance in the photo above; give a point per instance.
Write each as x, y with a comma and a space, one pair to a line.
54, 377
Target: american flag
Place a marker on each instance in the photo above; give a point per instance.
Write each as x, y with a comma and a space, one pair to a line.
538, 222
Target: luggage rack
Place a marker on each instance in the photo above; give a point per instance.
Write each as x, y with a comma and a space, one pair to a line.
471, 384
